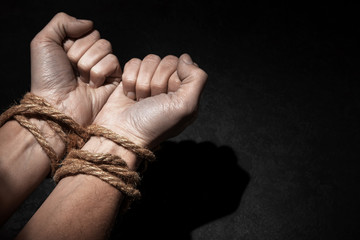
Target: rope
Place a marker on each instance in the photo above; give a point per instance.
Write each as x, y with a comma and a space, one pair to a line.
107, 167
69, 131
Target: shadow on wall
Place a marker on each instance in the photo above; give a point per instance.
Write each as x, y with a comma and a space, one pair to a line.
190, 185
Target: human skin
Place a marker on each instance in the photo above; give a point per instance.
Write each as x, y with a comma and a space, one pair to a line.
65, 56
164, 101
84, 207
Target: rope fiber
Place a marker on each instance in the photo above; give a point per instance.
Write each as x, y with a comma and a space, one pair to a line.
107, 167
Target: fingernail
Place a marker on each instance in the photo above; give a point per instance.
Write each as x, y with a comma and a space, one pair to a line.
91, 84
187, 59
131, 95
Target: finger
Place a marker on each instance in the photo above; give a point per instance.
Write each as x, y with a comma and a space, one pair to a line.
146, 72
81, 45
118, 93
192, 79
174, 82
67, 44
107, 67
92, 56
131, 71
62, 26
160, 79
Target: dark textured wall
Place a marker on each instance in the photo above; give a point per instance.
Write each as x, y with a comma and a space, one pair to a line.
274, 152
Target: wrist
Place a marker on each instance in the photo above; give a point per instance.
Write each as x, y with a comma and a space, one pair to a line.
103, 145
23, 165
53, 139
14, 132
21, 156
140, 141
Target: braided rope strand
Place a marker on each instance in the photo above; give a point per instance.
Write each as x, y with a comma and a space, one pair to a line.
69, 131
117, 175
100, 131
107, 167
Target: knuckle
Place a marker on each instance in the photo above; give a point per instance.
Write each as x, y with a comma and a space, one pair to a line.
62, 16
113, 59
72, 57
95, 34
170, 61
128, 75
171, 58
134, 61
83, 65
128, 78
104, 44
152, 58
114, 64
96, 72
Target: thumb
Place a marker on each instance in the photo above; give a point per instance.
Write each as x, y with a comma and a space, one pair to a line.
192, 79
63, 25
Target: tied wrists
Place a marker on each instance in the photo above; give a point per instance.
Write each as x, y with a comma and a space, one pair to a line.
107, 167
33, 107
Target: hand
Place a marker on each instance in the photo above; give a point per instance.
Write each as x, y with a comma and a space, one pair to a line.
72, 68
168, 91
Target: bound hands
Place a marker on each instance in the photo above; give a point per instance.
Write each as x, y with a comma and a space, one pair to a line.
74, 70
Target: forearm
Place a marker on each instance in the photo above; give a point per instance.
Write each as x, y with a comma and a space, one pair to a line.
23, 164
81, 206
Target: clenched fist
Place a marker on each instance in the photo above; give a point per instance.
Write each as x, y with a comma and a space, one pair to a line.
156, 99
73, 68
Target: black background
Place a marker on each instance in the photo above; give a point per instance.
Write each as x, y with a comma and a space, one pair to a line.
274, 151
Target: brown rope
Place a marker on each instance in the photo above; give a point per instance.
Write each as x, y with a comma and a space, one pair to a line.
107, 167
50, 152
32, 106
141, 152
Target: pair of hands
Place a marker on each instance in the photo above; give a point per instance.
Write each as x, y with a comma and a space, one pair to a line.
75, 71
